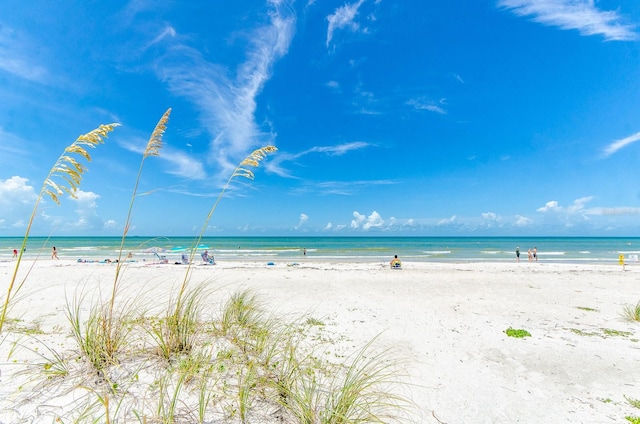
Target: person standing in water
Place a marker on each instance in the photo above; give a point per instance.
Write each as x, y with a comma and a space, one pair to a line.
517, 254
54, 253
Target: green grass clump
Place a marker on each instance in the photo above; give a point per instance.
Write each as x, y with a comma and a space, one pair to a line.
517, 333
631, 312
632, 419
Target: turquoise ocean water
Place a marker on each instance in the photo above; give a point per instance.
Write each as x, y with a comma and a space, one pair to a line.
354, 249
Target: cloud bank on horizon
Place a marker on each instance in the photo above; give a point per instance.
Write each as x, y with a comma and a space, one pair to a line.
485, 122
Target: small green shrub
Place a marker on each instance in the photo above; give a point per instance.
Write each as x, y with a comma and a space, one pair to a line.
633, 420
517, 333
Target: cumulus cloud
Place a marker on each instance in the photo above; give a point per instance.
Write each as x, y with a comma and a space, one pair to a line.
619, 144
522, 221
550, 207
366, 222
581, 15
491, 216
447, 221
554, 207
15, 192
87, 211
17, 198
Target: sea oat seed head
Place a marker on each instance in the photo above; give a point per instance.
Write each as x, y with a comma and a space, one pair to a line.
155, 141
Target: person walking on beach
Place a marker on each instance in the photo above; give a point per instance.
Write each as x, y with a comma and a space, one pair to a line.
517, 254
54, 253
15, 253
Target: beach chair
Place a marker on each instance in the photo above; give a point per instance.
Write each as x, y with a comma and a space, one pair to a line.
208, 259
162, 259
185, 259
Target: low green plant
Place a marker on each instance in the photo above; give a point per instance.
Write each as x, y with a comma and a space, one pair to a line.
175, 334
101, 336
168, 398
53, 364
247, 381
357, 392
632, 419
314, 321
585, 308
631, 312
618, 333
582, 333
633, 402
517, 333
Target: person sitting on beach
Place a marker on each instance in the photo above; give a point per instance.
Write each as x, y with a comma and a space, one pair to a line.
207, 258
395, 262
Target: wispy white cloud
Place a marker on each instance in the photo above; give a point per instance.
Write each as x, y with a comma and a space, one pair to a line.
619, 144
14, 58
431, 106
581, 15
12, 147
343, 17
227, 102
180, 163
275, 165
183, 165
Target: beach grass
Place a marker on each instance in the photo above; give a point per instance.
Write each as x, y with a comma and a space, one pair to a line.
64, 177
631, 312
246, 365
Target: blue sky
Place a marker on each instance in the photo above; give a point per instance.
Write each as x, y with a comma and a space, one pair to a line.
416, 117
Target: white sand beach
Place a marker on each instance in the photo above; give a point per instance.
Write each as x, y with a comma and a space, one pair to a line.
446, 322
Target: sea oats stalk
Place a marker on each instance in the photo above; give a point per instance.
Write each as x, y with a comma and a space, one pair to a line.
153, 149
64, 177
243, 170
